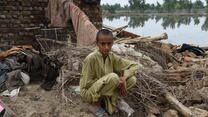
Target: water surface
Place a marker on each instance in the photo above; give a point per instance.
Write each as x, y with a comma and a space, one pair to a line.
180, 29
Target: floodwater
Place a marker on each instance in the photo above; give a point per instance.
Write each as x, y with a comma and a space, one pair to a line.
180, 29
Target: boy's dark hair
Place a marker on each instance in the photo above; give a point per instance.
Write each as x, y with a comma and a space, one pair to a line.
103, 32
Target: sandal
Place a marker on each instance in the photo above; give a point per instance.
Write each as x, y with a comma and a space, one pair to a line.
99, 112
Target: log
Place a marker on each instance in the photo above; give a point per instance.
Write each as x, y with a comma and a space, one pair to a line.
115, 29
143, 39
119, 29
185, 111
163, 36
123, 33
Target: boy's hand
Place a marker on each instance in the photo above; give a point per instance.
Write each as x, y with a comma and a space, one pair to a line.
123, 86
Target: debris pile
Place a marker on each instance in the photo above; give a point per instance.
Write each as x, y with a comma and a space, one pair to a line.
179, 72
168, 84
179, 88
22, 64
173, 80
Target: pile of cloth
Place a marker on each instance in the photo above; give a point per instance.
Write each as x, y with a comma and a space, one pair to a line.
21, 65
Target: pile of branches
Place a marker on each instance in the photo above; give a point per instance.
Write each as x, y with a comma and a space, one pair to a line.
157, 92
162, 90
72, 57
162, 57
147, 90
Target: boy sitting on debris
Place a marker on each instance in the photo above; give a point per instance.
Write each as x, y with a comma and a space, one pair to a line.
99, 82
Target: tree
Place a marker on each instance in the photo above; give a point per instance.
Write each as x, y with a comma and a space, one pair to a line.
158, 6
137, 4
126, 7
178, 6
207, 3
185, 4
112, 8
169, 4
198, 4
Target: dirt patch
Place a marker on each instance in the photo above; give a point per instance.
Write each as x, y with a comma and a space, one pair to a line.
36, 102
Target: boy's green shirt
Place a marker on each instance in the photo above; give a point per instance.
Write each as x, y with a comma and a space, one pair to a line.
95, 67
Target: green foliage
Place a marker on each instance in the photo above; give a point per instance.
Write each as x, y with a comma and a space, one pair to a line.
167, 5
198, 4
206, 3
112, 8
137, 5
185, 4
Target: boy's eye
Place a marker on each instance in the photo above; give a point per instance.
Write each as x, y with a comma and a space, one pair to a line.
103, 44
109, 43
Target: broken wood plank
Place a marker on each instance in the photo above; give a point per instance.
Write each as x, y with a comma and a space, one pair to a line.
119, 29
123, 33
143, 39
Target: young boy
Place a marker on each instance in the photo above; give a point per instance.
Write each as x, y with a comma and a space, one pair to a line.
99, 81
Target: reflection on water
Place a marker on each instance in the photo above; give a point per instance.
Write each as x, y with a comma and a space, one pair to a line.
183, 29
167, 21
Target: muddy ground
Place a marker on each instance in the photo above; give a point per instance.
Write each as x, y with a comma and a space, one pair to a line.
33, 101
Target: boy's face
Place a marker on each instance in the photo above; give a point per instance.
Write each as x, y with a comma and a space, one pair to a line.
105, 43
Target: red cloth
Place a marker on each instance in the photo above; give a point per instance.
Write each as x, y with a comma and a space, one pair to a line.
85, 30
60, 11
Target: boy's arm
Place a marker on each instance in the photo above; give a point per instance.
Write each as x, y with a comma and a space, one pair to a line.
129, 68
87, 74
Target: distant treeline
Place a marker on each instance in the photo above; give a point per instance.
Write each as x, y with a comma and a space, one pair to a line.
166, 21
168, 5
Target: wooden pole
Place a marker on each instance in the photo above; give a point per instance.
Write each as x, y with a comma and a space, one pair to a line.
178, 105
143, 39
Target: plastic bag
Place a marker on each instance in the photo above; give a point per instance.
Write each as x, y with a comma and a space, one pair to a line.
123, 106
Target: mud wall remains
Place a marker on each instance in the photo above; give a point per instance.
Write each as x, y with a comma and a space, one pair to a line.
17, 16
93, 11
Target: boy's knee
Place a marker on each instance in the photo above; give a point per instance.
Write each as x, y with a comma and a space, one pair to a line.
114, 75
132, 81
114, 78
